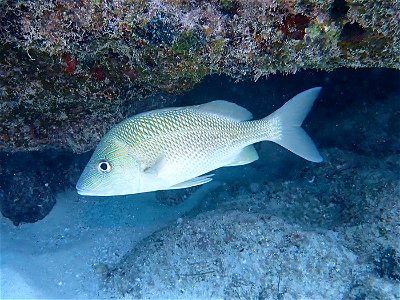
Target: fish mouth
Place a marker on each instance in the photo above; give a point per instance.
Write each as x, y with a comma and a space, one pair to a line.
87, 192
79, 189
83, 192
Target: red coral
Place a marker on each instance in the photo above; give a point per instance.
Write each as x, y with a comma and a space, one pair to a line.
98, 73
132, 74
71, 63
294, 26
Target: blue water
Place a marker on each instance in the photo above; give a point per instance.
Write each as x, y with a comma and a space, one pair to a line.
303, 230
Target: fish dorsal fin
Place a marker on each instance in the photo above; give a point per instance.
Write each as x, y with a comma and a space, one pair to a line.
226, 109
155, 111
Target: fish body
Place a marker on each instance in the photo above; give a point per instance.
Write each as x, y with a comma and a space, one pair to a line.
174, 147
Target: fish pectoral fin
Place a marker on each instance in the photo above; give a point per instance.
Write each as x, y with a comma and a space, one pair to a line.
155, 167
246, 155
192, 182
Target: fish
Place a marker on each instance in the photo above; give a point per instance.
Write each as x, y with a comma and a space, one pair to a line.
174, 148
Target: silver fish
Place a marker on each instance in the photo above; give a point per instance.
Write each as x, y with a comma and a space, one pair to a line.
173, 148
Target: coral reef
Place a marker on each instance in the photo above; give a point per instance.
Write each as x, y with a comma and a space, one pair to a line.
69, 70
236, 255
30, 180
25, 197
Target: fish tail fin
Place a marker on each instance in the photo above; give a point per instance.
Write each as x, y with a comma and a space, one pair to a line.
284, 125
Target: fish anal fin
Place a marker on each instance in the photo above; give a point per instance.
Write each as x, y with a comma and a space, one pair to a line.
246, 155
226, 109
192, 182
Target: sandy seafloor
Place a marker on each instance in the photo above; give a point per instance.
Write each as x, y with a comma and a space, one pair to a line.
57, 256
280, 228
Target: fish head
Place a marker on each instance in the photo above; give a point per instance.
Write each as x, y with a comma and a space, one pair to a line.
112, 170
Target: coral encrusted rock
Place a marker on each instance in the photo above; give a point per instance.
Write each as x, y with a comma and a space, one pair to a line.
235, 255
69, 70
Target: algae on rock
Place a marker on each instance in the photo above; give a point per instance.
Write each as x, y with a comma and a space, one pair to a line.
74, 66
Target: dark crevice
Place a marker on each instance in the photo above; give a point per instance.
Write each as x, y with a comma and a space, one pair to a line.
352, 32
339, 10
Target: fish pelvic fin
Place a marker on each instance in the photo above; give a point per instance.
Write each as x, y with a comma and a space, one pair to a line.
284, 125
192, 182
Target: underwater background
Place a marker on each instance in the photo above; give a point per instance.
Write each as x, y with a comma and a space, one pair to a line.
279, 228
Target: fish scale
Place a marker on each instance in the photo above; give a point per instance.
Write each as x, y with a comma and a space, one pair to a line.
191, 141
175, 132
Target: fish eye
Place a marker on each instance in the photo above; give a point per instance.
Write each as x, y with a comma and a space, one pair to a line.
104, 166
